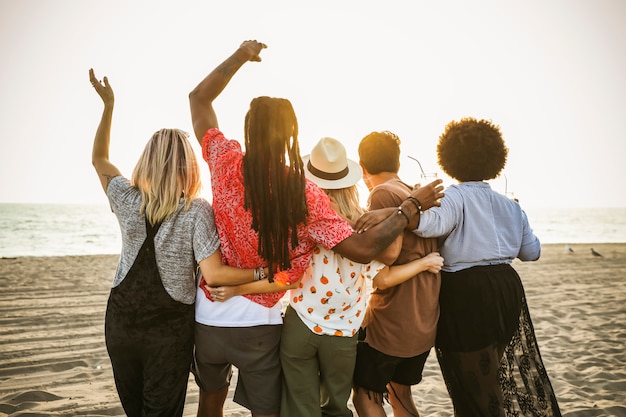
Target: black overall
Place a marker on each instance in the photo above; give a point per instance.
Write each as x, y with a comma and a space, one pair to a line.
149, 338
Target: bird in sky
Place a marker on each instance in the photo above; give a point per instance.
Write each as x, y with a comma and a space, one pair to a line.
594, 253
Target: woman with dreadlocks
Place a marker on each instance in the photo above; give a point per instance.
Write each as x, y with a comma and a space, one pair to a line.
267, 214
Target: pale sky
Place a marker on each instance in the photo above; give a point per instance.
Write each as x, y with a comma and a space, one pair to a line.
550, 73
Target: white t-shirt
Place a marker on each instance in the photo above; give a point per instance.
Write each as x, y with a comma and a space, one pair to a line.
237, 311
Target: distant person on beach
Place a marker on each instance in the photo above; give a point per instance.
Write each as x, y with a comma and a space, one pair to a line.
486, 344
265, 212
319, 336
400, 321
166, 231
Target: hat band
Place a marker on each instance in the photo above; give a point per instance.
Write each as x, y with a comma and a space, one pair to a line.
327, 175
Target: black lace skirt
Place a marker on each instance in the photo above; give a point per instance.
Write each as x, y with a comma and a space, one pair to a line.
487, 348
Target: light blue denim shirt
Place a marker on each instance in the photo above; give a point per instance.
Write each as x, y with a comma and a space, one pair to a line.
478, 226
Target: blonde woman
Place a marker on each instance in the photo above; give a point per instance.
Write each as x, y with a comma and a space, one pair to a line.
166, 231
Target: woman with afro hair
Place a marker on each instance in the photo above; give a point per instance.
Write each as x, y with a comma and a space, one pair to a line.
485, 342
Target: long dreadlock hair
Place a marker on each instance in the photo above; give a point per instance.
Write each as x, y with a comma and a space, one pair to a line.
274, 180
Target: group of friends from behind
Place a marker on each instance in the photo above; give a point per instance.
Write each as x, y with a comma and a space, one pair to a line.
439, 268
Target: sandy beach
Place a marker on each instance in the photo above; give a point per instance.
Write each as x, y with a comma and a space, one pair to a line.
53, 360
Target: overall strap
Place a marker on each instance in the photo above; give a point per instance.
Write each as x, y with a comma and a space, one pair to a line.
151, 230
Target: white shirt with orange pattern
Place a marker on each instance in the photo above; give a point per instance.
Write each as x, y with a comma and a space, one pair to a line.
332, 295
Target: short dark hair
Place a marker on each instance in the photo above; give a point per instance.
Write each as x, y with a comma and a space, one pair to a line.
380, 152
472, 150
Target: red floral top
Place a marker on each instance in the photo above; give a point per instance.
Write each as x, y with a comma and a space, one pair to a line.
239, 242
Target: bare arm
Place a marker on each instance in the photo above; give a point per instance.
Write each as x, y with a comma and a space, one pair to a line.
365, 246
255, 287
100, 153
389, 255
201, 98
391, 252
215, 273
420, 197
397, 274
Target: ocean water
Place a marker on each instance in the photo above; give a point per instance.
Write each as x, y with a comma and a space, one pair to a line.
59, 230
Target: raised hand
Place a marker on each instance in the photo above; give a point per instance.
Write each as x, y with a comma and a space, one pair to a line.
254, 49
100, 152
104, 90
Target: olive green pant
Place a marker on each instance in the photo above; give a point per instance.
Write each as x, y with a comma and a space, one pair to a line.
317, 371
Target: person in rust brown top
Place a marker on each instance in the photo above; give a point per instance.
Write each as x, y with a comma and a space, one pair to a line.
400, 322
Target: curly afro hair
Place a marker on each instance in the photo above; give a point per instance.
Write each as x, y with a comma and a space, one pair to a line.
472, 150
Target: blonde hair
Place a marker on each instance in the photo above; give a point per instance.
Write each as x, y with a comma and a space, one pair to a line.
166, 171
347, 200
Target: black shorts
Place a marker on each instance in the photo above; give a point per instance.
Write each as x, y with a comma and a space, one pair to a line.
374, 369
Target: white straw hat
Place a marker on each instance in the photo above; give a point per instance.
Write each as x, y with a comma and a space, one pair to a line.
328, 166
